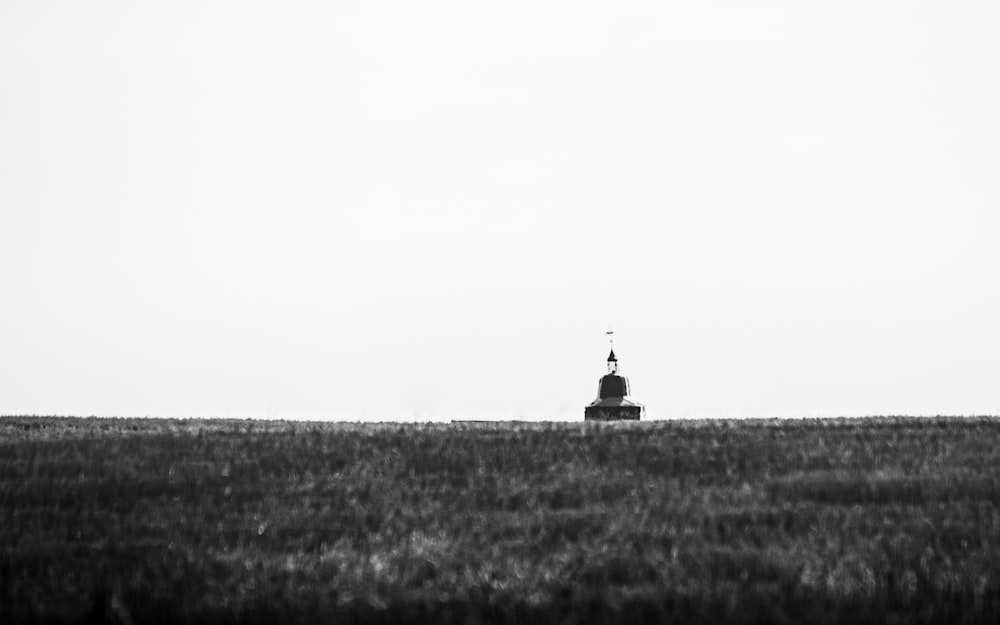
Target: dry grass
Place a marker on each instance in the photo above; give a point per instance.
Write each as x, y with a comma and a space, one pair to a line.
154, 521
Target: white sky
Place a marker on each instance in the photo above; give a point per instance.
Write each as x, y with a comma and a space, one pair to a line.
427, 210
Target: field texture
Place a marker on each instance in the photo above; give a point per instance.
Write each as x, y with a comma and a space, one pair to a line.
154, 521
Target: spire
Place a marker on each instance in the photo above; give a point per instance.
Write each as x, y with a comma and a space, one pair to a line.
612, 359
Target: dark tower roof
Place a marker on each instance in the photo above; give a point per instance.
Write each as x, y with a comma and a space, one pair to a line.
611, 357
613, 386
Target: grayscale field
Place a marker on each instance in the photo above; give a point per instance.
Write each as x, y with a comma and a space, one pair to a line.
165, 521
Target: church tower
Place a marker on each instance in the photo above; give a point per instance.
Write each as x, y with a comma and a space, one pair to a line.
613, 402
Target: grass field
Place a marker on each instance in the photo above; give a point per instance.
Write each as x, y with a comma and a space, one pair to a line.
163, 521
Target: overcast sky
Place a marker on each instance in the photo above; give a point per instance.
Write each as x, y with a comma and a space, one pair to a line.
433, 210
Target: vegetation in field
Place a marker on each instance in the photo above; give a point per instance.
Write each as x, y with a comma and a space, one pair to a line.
157, 521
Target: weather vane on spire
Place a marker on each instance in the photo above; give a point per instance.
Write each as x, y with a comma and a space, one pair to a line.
612, 360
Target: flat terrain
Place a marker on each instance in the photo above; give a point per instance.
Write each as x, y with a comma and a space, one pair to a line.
163, 521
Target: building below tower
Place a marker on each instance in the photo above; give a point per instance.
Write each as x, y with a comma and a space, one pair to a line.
613, 402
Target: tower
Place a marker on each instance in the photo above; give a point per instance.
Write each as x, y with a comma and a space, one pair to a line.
613, 402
